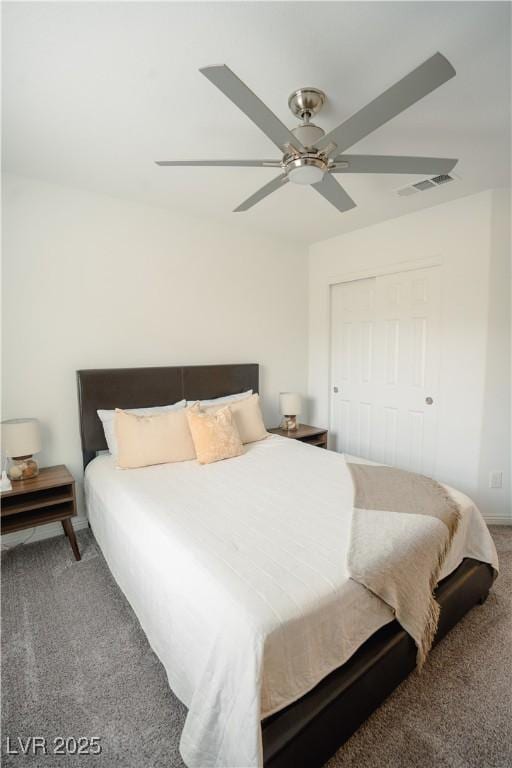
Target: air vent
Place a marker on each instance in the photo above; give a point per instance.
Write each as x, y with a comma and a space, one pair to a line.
422, 185
442, 179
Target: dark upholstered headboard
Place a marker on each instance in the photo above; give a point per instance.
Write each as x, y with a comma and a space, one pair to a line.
146, 387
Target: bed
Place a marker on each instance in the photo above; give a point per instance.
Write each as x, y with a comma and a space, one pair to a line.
237, 574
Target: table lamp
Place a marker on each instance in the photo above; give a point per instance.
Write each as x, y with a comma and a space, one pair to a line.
21, 438
290, 404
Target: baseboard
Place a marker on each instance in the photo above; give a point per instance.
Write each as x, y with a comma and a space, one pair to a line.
30, 535
497, 520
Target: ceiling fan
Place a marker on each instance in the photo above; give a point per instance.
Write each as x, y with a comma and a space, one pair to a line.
310, 156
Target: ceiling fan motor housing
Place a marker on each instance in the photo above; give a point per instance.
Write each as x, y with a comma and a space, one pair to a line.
306, 167
308, 134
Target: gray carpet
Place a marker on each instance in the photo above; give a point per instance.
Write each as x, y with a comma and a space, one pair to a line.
76, 663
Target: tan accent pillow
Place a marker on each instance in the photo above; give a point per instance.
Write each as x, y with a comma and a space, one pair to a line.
214, 433
153, 439
248, 418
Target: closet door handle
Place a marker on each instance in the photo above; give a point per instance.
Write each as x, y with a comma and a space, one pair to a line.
429, 400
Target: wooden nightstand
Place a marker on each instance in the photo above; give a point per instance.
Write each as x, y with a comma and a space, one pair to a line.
306, 434
44, 499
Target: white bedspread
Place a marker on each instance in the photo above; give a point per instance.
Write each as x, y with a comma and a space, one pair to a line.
237, 573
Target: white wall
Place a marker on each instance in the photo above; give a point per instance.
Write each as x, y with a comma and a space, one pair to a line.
91, 281
471, 237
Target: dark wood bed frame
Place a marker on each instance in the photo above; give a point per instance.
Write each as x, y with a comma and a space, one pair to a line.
306, 733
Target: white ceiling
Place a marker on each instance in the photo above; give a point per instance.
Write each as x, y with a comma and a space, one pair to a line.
94, 92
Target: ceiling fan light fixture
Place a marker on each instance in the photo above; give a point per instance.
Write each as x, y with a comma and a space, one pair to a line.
306, 170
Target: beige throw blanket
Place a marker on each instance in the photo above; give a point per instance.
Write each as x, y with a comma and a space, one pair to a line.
402, 528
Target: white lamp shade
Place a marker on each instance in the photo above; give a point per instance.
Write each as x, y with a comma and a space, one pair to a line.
21, 437
290, 403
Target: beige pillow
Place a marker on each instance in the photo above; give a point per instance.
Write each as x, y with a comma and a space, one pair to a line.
248, 418
153, 439
214, 433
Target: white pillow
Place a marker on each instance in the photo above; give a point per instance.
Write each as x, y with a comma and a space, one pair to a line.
221, 400
107, 419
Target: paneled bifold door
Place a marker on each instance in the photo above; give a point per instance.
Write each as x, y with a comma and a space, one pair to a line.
385, 368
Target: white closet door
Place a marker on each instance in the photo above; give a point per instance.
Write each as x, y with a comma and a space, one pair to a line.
353, 366
385, 368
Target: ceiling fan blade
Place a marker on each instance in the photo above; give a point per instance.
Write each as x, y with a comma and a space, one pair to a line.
237, 163
410, 89
272, 186
393, 164
232, 87
334, 193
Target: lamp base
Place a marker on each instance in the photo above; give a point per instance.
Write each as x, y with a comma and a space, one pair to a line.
289, 423
22, 468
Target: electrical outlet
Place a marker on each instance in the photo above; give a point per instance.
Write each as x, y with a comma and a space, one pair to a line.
495, 479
